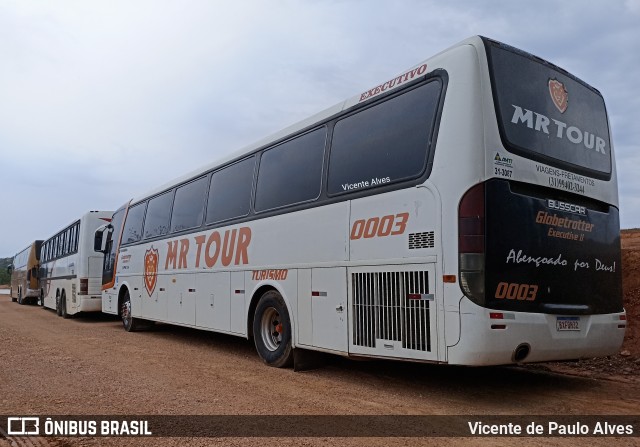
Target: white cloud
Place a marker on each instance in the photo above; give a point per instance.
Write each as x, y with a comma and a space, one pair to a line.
633, 6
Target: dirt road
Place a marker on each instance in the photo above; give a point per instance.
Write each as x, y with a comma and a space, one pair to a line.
89, 365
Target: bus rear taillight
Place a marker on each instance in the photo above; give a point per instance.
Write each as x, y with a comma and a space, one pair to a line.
471, 243
84, 286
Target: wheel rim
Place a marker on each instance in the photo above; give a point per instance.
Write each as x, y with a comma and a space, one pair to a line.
126, 312
271, 329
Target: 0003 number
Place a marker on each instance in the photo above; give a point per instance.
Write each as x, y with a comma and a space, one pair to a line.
379, 226
513, 291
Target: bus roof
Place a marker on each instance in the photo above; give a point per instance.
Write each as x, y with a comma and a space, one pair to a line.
414, 72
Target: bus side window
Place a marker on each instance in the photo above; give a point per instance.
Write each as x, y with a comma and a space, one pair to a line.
133, 226
230, 191
188, 205
156, 223
386, 143
291, 172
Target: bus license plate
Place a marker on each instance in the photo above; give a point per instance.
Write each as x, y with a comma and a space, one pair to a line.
568, 323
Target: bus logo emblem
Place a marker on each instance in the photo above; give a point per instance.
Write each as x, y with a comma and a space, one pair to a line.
559, 95
151, 269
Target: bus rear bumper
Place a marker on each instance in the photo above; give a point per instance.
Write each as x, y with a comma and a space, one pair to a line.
90, 304
491, 337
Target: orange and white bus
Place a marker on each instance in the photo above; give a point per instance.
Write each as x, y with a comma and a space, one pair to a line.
464, 212
70, 269
24, 274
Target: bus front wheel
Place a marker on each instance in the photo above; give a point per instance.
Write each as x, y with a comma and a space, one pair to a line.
272, 330
130, 323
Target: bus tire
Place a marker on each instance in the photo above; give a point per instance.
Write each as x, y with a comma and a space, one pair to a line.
41, 299
58, 305
129, 323
272, 330
63, 307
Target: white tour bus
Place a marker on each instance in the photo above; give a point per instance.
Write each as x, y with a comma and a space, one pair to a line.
70, 270
24, 274
465, 211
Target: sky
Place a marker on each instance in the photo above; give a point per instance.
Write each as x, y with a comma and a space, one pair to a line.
103, 101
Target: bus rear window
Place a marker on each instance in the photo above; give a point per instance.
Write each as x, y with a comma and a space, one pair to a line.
548, 115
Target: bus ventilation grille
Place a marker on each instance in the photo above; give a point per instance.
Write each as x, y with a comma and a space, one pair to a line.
385, 308
421, 240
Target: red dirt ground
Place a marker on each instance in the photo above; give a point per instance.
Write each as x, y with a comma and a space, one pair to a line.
631, 289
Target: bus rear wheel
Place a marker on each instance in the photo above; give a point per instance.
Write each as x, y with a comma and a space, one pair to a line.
58, 305
272, 330
63, 307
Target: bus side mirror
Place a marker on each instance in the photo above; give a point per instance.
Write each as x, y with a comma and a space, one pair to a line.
101, 237
10, 269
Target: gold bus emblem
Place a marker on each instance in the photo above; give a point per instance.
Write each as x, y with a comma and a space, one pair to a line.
150, 269
559, 95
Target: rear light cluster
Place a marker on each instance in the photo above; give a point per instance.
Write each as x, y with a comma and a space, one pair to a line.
84, 286
471, 232
623, 321
497, 316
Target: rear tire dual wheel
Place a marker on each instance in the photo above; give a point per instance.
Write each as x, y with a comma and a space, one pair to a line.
63, 307
58, 305
272, 330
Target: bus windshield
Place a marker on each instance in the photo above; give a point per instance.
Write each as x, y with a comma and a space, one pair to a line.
548, 115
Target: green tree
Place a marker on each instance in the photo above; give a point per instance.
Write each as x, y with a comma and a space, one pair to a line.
4, 276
